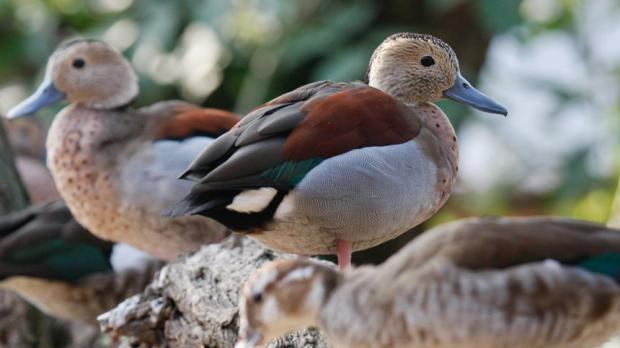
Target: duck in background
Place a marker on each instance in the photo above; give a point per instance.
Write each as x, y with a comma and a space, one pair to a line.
54, 263
332, 168
116, 167
27, 138
478, 283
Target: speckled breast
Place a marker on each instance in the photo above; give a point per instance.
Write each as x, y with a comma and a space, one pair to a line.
86, 152
84, 172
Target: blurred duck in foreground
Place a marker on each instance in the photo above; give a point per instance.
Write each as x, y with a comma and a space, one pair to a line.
478, 283
57, 265
332, 168
117, 167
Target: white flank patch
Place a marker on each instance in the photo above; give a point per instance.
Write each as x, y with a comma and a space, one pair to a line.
261, 283
252, 201
125, 257
271, 310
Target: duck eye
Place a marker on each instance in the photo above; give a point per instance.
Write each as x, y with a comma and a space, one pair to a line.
78, 63
427, 61
257, 297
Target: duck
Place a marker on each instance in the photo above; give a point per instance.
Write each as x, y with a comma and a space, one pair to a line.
333, 167
58, 266
27, 139
490, 282
116, 166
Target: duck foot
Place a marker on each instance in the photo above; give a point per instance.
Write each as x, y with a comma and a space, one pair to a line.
343, 250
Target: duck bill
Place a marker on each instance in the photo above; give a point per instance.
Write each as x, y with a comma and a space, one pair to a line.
463, 92
46, 94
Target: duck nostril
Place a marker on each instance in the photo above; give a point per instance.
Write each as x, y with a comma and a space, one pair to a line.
465, 85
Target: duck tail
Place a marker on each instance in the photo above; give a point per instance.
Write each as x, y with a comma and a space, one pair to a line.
197, 203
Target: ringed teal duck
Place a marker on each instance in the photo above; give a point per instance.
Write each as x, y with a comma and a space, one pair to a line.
331, 168
479, 283
51, 261
115, 166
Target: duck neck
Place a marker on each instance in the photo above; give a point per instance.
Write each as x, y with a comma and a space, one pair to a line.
433, 117
115, 104
96, 130
437, 139
439, 124
118, 92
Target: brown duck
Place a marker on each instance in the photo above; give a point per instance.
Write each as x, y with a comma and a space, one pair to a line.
116, 167
330, 167
478, 283
54, 263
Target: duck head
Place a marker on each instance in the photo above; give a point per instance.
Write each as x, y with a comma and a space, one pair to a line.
419, 68
89, 73
282, 297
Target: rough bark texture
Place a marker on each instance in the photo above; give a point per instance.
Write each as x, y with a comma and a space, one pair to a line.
193, 301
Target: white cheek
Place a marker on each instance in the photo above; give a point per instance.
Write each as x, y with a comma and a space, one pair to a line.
270, 311
315, 296
298, 274
259, 285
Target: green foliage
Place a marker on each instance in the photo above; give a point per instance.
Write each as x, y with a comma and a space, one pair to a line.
498, 15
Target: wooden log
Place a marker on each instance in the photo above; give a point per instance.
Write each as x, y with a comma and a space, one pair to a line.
193, 301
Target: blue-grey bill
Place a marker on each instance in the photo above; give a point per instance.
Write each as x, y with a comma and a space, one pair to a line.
46, 94
463, 92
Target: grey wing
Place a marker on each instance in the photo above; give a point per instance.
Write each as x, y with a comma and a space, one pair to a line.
150, 179
540, 304
492, 282
41, 223
499, 242
258, 136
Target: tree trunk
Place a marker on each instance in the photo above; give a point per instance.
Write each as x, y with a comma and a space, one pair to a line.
13, 196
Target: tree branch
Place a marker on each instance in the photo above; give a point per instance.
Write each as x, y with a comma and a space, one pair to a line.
193, 301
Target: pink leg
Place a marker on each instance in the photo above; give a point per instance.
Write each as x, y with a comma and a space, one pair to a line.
343, 249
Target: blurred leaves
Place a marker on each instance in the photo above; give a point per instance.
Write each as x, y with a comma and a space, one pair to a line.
498, 15
324, 35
